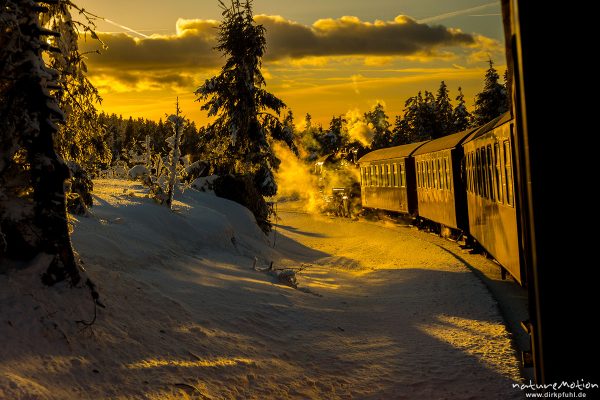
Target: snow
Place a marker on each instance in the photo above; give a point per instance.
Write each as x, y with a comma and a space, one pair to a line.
380, 313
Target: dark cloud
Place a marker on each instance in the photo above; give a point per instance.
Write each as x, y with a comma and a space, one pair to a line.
163, 58
191, 47
350, 36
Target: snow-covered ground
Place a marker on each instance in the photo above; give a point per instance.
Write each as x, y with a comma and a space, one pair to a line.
381, 313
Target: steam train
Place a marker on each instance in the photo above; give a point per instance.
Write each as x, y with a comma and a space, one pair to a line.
461, 182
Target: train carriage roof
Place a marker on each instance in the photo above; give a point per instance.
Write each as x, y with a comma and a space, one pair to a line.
445, 142
502, 119
391, 152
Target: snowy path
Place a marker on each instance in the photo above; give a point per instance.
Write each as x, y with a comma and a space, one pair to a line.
390, 315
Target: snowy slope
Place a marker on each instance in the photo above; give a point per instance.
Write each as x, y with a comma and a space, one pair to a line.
187, 316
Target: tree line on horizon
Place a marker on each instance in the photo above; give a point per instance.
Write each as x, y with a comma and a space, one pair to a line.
425, 116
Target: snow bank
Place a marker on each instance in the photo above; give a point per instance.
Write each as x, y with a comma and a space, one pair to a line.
384, 314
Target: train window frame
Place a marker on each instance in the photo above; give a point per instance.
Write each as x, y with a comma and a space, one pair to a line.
403, 174
431, 172
389, 175
473, 172
469, 170
428, 169
510, 192
443, 174
484, 171
490, 165
384, 170
498, 176
418, 168
479, 180
436, 177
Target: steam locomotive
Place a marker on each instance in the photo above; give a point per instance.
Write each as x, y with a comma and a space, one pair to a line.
462, 183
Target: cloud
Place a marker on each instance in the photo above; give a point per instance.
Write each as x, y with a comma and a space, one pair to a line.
191, 46
350, 36
193, 43
183, 60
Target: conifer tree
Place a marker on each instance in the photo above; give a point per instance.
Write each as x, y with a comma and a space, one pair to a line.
247, 116
492, 101
443, 112
33, 214
401, 133
334, 139
176, 121
461, 117
378, 120
80, 139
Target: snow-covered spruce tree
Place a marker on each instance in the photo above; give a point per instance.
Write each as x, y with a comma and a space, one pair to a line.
247, 116
33, 214
80, 139
493, 100
176, 121
443, 111
461, 117
420, 119
378, 119
334, 139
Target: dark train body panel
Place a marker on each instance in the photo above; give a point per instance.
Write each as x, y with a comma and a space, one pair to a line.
388, 179
440, 189
490, 194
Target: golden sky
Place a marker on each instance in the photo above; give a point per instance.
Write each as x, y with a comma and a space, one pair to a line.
325, 58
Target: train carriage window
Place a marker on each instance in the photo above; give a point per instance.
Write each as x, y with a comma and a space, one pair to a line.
490, 170
375, 176
387, 176
418, 165
403, 175
472, 173
436, 175
397, 175
484, 172
479, 180
428, 170
499, 193
431, 172
476, 172
444, 174
369, 176
508, 169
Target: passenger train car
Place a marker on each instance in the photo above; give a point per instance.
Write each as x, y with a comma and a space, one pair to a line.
388, 179
462, 182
